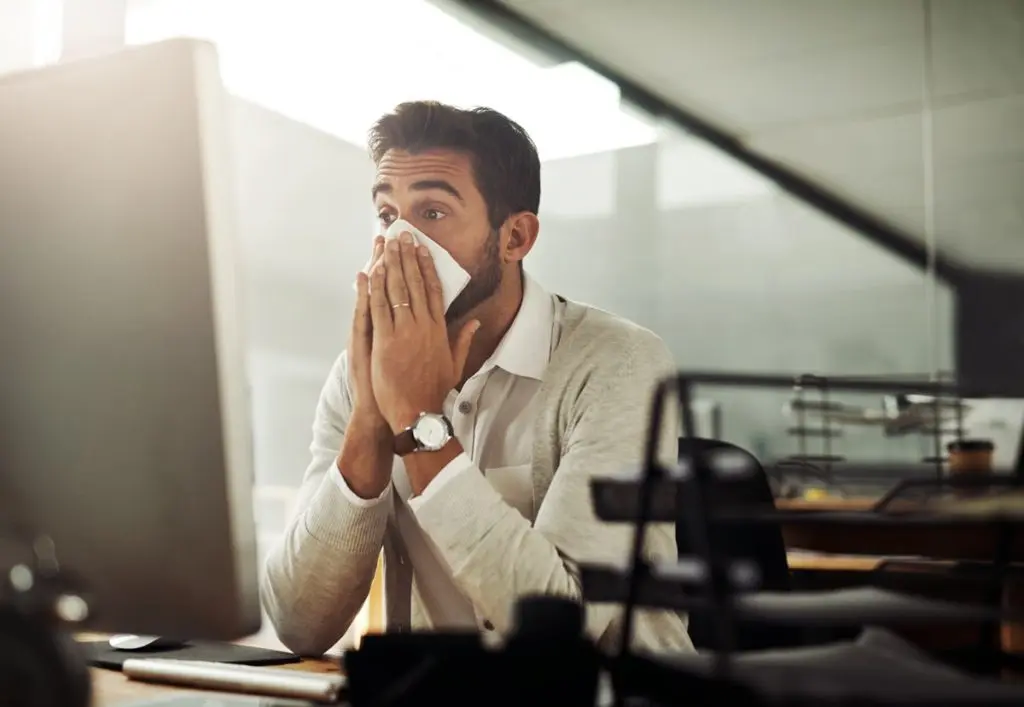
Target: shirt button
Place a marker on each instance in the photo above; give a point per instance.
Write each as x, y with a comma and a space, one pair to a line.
488, 625
465, 407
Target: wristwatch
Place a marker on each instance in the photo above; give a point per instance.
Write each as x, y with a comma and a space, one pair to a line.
430, 433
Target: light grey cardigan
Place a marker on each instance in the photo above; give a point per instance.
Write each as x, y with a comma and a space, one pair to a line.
596, 394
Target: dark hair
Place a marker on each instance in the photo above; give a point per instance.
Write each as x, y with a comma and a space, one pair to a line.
505, 162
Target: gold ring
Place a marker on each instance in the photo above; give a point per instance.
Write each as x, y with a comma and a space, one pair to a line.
400, 304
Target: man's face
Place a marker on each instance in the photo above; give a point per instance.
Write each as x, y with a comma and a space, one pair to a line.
436, 192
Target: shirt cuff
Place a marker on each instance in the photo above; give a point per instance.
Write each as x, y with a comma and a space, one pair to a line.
453, 469
351, 495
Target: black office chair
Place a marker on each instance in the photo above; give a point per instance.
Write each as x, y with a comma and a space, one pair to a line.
757, 542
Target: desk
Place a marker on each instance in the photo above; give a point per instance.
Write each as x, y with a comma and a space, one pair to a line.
111, 688
806, 562
825, 504
861, 549
948, 542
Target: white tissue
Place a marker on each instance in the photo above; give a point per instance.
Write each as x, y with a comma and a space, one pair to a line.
453, 278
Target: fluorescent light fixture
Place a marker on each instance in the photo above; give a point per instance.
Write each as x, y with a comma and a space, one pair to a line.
338, 66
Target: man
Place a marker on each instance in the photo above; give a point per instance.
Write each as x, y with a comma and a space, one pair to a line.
462, 443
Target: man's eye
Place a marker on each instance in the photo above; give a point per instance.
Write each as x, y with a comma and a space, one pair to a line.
386, 217
433, 215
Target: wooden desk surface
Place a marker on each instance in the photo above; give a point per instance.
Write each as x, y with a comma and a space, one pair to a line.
111, 688
946, 542
832, 563
826, 504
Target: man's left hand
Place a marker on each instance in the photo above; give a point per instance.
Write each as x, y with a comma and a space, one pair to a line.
413, 364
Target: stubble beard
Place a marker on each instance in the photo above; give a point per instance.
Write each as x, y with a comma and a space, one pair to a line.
482, 284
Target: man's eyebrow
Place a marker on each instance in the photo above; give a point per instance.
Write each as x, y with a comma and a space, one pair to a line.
441, 184
384, 187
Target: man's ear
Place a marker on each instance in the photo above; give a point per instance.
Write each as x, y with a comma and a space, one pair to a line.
522, 229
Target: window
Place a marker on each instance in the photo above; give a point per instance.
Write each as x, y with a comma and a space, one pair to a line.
339, 65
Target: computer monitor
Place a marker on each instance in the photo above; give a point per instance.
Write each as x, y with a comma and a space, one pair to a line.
124, 416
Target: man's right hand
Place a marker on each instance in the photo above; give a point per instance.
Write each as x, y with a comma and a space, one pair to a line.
367, 450
359, 344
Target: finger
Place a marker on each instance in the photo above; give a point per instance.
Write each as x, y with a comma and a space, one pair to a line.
413, 278
460, 351
380, 310
431, 283
360, 343
378, 250
394, 279
362, 324
377, 257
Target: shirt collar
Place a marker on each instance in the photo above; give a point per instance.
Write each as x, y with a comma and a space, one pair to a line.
526, 346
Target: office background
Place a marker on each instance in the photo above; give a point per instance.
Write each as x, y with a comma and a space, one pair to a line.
637, 217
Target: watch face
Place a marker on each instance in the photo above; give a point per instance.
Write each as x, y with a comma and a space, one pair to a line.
431, 432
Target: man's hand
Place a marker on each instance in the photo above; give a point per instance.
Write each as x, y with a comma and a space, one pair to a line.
366, 454
359, 345
413, 365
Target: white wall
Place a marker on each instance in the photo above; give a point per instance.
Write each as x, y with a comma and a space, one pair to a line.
305, 225
304, 218
16, 34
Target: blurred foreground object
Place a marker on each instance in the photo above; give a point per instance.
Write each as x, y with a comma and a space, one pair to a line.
124, 408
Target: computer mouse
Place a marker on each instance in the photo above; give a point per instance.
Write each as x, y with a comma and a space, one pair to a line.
133, 642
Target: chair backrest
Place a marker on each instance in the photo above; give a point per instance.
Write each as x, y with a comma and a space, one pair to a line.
757, 542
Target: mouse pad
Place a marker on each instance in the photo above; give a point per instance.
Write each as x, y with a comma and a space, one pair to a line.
101, 655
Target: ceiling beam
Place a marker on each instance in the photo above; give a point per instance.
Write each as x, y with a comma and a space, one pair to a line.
880, 232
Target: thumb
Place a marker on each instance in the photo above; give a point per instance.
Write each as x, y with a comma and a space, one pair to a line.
460, 352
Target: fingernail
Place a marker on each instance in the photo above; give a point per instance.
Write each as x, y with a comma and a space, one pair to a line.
422, 250
393, 244
406, 237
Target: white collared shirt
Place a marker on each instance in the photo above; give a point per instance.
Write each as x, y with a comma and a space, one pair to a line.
493, 418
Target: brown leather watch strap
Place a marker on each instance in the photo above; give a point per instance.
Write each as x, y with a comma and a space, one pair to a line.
405, 443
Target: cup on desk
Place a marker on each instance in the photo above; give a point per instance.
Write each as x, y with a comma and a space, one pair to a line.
970, 458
